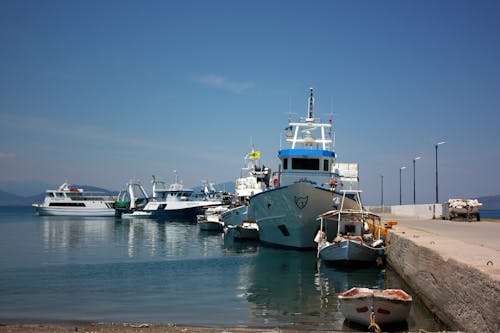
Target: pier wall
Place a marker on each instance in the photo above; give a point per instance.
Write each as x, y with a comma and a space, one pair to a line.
423, 211
457, 281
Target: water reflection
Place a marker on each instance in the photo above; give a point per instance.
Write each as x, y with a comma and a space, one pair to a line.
241, 283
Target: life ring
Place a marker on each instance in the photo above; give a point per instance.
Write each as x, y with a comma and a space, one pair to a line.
275, 182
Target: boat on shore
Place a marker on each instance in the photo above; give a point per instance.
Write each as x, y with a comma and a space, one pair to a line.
353, 243
467, 208
307, 184
70, 201
368, 307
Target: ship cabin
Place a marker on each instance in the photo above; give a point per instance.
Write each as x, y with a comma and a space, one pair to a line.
306, 165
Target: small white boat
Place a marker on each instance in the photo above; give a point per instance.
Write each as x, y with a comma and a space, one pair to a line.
248, 230
467, 208
367, 306
70, 201
353, 242
211, 220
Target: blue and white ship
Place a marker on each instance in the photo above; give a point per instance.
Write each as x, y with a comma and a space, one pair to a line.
307, 184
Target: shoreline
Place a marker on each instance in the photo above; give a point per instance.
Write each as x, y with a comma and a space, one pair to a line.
137, 328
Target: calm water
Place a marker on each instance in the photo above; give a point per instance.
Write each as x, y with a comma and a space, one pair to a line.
490, 213
102, 269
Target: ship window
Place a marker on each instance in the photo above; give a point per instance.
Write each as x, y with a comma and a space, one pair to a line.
325, 165
285, 163
305, 163
51, 194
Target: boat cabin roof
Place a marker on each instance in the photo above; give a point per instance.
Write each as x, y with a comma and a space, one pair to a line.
306, 152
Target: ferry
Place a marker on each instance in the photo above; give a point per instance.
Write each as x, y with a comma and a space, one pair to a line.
307, 184
70, 201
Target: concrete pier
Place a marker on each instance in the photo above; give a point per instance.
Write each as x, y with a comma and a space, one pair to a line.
454, 267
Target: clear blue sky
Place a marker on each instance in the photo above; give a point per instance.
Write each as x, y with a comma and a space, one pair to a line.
98, 92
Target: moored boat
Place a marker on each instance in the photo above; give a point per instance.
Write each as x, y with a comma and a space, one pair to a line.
172, 202
353, 243
70, 201
307, 184
372, 306
211, 220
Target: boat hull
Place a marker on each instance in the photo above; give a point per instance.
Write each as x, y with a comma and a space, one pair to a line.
74, 211
211, 225
287, 215
235, 216
390, 306
348, 251
243, 232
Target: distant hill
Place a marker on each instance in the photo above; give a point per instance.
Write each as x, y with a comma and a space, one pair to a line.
11, 199
490, 202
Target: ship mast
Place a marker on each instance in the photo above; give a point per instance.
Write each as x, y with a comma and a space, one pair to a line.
311, 104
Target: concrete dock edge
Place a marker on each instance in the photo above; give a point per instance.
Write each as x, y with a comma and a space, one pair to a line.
458, 282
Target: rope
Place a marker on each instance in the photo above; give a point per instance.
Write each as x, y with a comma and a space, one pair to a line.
373, 324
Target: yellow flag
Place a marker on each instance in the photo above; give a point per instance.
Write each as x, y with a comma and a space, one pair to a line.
255, 154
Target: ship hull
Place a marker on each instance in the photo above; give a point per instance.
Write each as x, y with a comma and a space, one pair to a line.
287, 215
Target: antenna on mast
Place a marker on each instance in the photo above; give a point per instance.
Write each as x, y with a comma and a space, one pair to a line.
311, 104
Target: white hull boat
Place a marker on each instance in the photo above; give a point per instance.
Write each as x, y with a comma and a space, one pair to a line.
287, 216
248, 230
367, 306
307, 185
353, 242
69, 201
211, 220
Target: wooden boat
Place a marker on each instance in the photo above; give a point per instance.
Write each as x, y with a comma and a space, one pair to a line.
353, 241
368, 306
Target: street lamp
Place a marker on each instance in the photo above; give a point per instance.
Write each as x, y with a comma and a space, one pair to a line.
382, 190
414, 195
400, 198
436, 147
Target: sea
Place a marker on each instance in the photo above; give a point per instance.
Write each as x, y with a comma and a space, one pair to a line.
62, 269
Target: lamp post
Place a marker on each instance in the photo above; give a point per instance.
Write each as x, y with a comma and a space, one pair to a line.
400, 197
382, 190
436, 145
414, 195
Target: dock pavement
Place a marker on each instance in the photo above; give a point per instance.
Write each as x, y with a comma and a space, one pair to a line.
453, 266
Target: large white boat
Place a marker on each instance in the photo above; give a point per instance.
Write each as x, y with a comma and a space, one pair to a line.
70, 201
173, 202
307, 184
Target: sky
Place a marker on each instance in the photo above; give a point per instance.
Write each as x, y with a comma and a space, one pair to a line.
101, 92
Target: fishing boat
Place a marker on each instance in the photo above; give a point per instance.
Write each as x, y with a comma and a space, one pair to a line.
131, 201
248, 230
172, 202
353, 242
372, 306
307, 184
70, 201
211, 220
253, 179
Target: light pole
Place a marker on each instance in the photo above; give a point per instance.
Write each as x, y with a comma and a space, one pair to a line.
436, 145
414, 195
382, 190
400, 197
